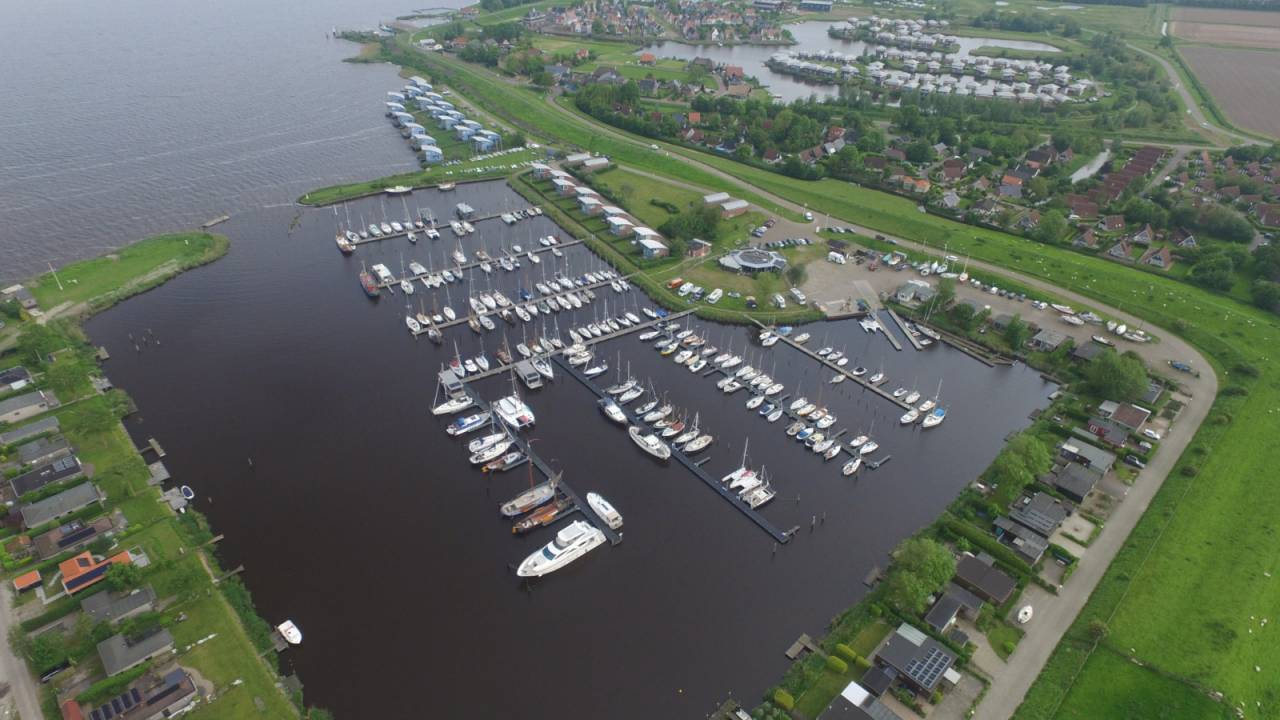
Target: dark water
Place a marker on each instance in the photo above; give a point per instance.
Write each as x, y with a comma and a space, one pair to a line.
122, 120
809, 37
363, 522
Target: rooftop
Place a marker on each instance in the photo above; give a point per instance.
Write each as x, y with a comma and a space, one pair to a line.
1041, 512
55, 506
119, 654
984, 579
916, 656
111, 606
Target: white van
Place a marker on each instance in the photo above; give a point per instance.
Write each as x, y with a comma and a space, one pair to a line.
835, 257
799, 296
779, 301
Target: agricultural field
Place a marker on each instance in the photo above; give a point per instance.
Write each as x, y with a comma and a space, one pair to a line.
1214, 16
1256, 36
1244, 83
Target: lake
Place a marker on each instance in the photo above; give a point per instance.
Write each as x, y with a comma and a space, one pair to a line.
362, 521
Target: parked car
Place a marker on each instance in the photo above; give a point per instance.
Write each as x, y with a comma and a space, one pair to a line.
751, 302
800, 298
808, 216
1135, 461
1180, 366
1153, 434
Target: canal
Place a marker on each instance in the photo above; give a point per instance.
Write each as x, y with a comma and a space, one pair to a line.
363, 522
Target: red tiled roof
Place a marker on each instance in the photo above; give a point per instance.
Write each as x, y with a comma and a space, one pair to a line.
26, 580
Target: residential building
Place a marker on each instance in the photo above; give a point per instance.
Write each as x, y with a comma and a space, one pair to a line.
1076, 481
14, 378
151, 697
918, 659
70, 537
652, 248
30, 430
1027, 544
718, 198
112, 607
856, 702
1160, 258
619, 226
988, 582
956, 602
21, 407
594, 164
1108, 431
733, 208
699, 248
63, 468
43, 450
119, 654
1041, 512
575, 159
83, 571
64, 503
1125, 415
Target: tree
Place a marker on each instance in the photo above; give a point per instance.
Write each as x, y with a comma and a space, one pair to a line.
1098, 630
1116, 377
1266, 294
122, 577
1214, 272
796, 275
1052, 227
907, 591
919, 152
1017, 332
946, 292
927, 559
964, 316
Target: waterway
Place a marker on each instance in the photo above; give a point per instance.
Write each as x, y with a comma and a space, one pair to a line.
362, 521
810, 37
125, 120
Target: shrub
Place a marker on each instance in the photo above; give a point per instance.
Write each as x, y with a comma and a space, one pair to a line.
846, 652
876, 611
1190, 470
783, 699
936, 697
862, 663
1009, 646
836, 665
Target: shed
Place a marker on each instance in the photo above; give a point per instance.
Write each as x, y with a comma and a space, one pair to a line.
733, 208
594, 164
718, 198
1048, 340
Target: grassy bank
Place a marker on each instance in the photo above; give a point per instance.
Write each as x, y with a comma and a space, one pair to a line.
468, 171
195, 610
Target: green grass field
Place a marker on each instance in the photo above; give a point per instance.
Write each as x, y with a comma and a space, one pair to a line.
487, 169
127, 268
1113, 687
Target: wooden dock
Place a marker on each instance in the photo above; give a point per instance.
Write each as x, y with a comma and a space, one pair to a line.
441, 229
456, 269
500, 368
800, 646
693, 467
911, 337
562, 486
497, 312
154, 446
887, 395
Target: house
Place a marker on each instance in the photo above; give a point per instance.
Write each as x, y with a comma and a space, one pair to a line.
590, 204
1076, 481
1144, 236
772, 156
733, 208
1108, 432
953, 168
652, 248
70, 537
26, 581
119, 653
698, 248
594, 164
738, 91
1087, 351
151, 697
1029, 220
14, 378
575, 159
856, 702
1120, 251
112, 607
20, 295
951, 200
1013, 192
1111, 223
64, 503
919, 186
61, 469
1027, 544
895, 154
956, 602
693, 118
620, 226
83, 571
874, 162
1158, 258
716, 198
541, 171
1086, 238
21, 407
39, 427
918, 659
647, 59
1041, 512
1084, 209
1125, 415
43, 450
732, 74
914, 290
977, 155
988, 582
1048, 340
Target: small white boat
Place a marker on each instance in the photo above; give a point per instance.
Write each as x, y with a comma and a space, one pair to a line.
414, 326
852, 466
1024, 615
290, 632
649, 443
868, 447
605, 510
490, 453
909, 417
698, 443
837, 379
450, 407
612, 411
485, 442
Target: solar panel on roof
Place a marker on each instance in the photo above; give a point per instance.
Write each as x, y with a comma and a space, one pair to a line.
126, 701
161, 695
75, 537
115, 705
137, 696
95, 715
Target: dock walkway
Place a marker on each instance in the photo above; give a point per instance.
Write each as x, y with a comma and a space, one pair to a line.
562, 486
684, 460
473, 264
463, 319
887, 395
911, 338
419, 231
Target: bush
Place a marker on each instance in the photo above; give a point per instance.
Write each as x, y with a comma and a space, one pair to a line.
1189, 470
846, 652
862, 663
783, 699
836, 665
1009, 646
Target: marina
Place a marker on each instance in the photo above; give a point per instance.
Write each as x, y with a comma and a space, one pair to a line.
838, 370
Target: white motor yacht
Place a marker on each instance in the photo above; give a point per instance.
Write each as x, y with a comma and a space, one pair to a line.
572, 542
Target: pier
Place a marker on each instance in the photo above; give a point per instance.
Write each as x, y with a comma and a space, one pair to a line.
441, 228
561, 486
523, 304
693, 467
501, 368
911, 337
839, 370
457, 269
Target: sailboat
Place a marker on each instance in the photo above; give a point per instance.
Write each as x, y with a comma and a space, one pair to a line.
533, 497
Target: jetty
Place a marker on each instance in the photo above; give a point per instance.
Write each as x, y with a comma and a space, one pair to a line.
887, 395
471, 265
523, 303
911, 337
418, 231
693, 467
561, 485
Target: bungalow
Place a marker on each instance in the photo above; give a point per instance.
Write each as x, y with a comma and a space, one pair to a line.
72, 536
1120, 251
1108, 432
112, 607
953, 169
60, 470
1092, 457
772, 156
575, 159
919, 660
43, 450
614, 211
652, 248
1111, 223
594, 164
1027, 544
1084, 209
733, 208
977, 155
19, 294
874, 162
732, 74
30, 430
14, 378
84, 571
64, 503
119, 653
1041, 512
432, 154
1048, 340
914, 290
620, 226
1076, 481
1086, 238
590, 204
955, 603
1029, 220
951, 200
21, 407
895, 154
1144, 236
1124, 414
564, 187
1158, 258
1011, 191
988, 582
26, 581
718, 198
150, 698
1086, 351
920, 186
739, 90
